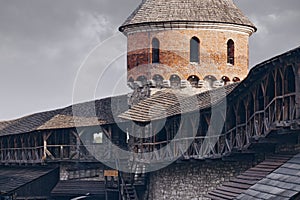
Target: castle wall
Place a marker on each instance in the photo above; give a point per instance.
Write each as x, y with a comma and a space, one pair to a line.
83, 171
191, 181
175, 54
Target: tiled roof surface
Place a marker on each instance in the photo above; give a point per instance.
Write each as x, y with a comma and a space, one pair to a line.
67, 121
11, 178
92, 113
283, 183
221, 11
73, 187
174, 102
253, 176
27, 124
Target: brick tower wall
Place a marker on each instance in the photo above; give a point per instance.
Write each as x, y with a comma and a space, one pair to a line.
175, 54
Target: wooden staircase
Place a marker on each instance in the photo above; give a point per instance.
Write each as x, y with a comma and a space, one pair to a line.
127, 190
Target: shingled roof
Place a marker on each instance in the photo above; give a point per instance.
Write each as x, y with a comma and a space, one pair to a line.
26, 124
283, 183
208, 11
13, 177
92, 113
244, 186
74, 187
171, 102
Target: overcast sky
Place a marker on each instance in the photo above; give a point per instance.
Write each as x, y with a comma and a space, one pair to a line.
46, 44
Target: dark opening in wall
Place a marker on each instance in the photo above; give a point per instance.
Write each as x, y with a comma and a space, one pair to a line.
210, 79
270, 89
194, 50
289, 80
131, 80
241, 118
230, 52
260, 101
142, 79
175, 81
250, 107
236, 79
193, 80
225, 79
158, 80
155, 50
278, 84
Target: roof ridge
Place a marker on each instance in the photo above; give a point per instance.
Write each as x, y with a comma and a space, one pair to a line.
160, 11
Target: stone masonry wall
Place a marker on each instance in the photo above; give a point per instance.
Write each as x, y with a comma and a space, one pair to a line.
175, 56
81, 172
191, 181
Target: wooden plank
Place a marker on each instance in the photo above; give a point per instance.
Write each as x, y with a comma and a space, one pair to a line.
245, 181
216, 194
277, 160
237, 185
213, 197
266, 166
258, 169
272, 162
247, 177
229, 194
111, 173
255, 172
230, 189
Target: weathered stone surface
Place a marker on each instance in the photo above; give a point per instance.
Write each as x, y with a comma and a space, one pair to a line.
192, 180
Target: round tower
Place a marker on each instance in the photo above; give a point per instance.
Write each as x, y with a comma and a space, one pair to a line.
197, 41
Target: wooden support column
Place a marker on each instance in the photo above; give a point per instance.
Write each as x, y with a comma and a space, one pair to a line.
45, 150
78, 143
297, 79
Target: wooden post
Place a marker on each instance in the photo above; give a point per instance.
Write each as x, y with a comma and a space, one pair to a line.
45, 138
297, 80
45, 150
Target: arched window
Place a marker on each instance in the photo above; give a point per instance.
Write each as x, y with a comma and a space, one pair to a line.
175, 81
193, 80
130, 79
210, 79
230, 52
142, 79
225, 79
194, 49
158, 80
155, 50
236, 79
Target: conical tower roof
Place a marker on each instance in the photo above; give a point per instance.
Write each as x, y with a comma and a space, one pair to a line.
207, 11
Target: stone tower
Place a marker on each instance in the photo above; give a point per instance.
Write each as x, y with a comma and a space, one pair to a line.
177, 42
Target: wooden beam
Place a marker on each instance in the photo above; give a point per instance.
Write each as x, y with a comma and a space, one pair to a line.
297, 79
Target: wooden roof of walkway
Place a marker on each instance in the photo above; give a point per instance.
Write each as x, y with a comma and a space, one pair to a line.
277, 177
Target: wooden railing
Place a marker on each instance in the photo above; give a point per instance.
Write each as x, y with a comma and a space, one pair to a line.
50, 153
279, 113
22, 155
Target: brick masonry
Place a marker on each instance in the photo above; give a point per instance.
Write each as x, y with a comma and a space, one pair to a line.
191, 181
175, 57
